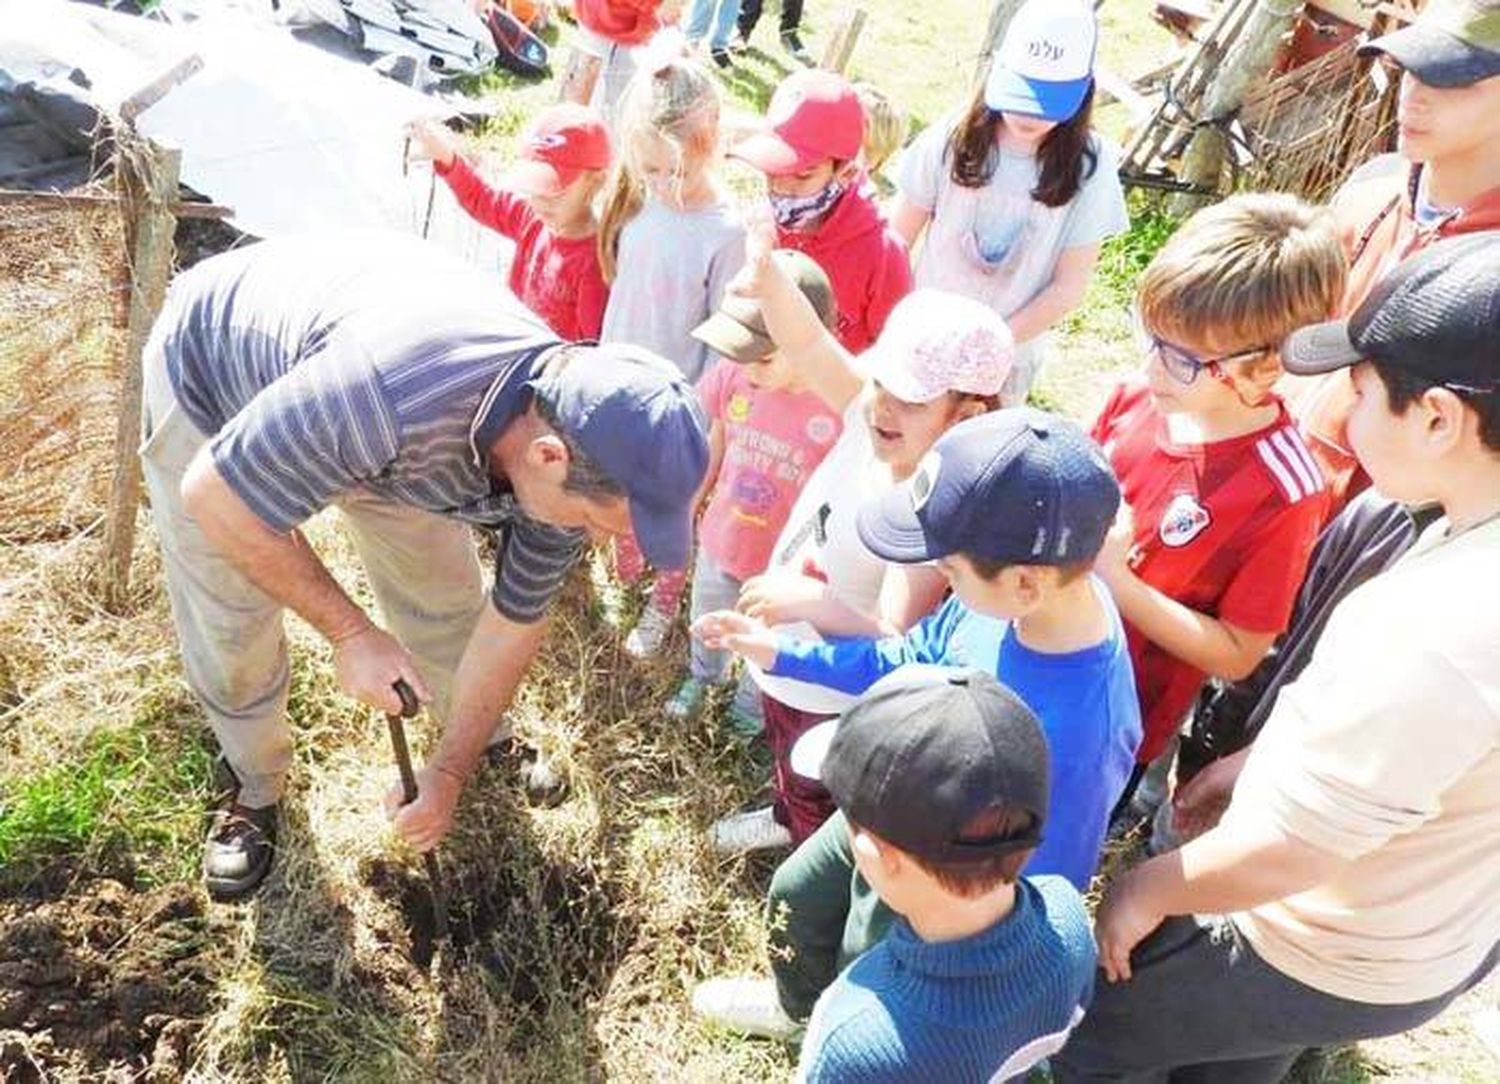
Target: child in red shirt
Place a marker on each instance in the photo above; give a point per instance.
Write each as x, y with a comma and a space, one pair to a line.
546, 206
822, 202
1224, 500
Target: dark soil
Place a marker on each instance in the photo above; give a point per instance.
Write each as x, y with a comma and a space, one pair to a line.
103, 983
534, 928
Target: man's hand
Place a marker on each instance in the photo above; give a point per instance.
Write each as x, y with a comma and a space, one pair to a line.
1120, 924
425, 822
370, 662
778, 598
726, 630
1201, 801
432, 140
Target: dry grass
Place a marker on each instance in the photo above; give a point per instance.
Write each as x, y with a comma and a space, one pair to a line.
590, 922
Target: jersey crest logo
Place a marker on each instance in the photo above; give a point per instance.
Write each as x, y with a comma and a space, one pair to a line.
1184, 520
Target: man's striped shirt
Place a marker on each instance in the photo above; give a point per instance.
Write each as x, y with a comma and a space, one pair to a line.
318, 366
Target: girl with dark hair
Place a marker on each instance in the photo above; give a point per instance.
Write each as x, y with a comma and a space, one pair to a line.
1016, 194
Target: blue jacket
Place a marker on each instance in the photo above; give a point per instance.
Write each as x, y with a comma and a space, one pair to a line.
1086, 701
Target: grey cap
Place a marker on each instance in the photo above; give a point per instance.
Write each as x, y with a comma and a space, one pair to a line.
1452, 43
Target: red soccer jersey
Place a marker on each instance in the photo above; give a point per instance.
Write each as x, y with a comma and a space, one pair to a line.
557, 278
1224, 528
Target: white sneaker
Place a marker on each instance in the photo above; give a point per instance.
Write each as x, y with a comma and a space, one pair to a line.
650, 632
746, 1005
741, 833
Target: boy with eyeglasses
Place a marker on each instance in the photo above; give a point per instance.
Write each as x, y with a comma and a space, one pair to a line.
1223, 501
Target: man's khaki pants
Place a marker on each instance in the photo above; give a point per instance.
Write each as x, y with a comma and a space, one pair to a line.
423, 568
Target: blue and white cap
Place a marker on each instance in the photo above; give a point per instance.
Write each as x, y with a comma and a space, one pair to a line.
635, 415
1019, 486
1045, 63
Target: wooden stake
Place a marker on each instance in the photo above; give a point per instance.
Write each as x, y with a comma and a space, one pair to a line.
147, 175
841, 46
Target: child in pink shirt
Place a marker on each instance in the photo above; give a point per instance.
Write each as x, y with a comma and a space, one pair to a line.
768, 431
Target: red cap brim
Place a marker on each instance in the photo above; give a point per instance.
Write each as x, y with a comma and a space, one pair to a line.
533, 178
772, 155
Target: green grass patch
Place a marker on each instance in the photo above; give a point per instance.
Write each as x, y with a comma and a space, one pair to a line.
128, 801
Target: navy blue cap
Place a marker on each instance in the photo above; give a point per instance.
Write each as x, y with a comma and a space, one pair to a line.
1020, 486
926, 750
1434, 314
638, 418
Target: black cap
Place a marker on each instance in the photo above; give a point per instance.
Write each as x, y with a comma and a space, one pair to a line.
1020, 485
926, 750
1452, 43
1436, 315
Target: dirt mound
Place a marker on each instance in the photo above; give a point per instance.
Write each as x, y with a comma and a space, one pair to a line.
103, 983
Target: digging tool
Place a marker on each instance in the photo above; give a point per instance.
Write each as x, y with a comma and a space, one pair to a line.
409, 707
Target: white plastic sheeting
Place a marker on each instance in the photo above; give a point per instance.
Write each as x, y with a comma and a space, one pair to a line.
291, 138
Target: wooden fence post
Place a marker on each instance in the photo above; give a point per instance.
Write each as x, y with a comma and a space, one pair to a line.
147, 175
840, 48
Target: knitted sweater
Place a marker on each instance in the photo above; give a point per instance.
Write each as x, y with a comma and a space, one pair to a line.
982, 1008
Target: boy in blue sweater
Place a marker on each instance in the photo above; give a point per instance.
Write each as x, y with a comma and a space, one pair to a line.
1013, 507
942, 776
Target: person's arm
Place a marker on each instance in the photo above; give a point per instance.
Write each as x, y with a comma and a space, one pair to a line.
908, 220
1218, 648
1061, 295
494, 207
497, 657
848, 665
715, 462
593, 299
1232, 868
824, 364
367, 659
907, 594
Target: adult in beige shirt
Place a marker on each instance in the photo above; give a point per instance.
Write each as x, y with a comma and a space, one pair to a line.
1352, 889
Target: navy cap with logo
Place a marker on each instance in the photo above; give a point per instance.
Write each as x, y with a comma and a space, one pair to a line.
1435, 315
1452, 43
925, 751
636, 416
1020, 486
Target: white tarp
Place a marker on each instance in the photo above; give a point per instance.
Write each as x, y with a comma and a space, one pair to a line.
292, 138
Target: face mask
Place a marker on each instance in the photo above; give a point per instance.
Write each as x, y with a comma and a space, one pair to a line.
795, 212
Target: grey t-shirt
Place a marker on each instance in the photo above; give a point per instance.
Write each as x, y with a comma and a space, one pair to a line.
996, 244
670, 274
320, 365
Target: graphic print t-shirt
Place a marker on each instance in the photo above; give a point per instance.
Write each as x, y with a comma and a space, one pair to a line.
772, 442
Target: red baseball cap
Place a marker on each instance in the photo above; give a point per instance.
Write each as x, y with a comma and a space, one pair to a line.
564, 141
813, 116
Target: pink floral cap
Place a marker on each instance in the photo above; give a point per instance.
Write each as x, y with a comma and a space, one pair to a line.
936, 342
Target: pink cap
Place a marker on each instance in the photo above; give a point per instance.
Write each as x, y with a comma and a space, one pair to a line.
813, 116
563, 142
936, 342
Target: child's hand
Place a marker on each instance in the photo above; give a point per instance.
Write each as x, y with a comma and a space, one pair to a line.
761, 275
778, 598
432, 140
1114, 556
725, 630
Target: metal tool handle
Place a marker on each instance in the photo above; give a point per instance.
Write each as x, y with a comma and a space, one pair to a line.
409, 707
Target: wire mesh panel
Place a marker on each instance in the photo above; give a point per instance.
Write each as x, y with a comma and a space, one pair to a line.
64, 284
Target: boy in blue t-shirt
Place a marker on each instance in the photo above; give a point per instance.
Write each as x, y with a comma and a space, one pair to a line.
941, 774
1013, 506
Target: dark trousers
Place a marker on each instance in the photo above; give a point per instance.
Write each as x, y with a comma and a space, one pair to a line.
1203, 1008
800, 804
791, 15
822, 915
